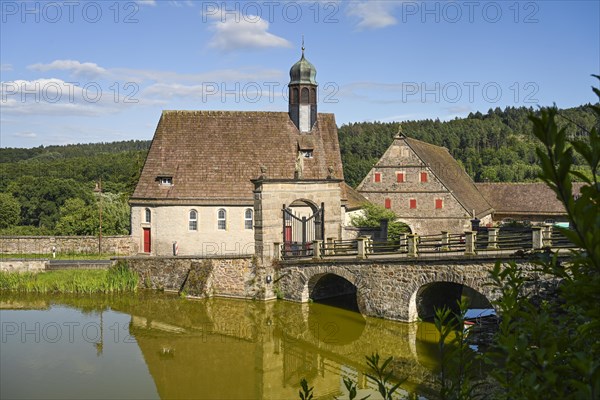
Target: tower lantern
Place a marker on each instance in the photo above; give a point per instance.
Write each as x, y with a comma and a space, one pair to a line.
303, 94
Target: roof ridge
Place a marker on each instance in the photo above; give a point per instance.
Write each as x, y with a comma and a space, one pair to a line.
426, 143
449, 184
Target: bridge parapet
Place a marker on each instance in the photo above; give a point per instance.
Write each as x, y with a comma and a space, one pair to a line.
489, 242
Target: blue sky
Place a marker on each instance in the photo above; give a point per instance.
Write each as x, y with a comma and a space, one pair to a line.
101, 71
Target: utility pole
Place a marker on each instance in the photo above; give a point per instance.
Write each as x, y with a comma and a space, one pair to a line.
98, 190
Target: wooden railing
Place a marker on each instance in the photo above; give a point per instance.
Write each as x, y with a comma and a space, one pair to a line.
485, 241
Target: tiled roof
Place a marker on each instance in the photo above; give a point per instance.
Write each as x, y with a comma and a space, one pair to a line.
354, 200
449, 172
523, 198
213, 155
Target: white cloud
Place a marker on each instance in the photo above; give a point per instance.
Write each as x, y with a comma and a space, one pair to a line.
458, 110
57, 97
25, 135
86, 69
6, 67
146, 2
135, 88
373, 14
179, 3
124, 75
233, 32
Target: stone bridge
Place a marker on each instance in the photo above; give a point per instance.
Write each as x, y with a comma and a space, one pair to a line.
401, 289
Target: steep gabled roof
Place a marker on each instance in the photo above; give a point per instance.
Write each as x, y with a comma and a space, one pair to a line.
523, 198
212, 155
452, 176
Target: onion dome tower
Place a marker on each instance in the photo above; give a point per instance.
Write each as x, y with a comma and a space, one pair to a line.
303, 94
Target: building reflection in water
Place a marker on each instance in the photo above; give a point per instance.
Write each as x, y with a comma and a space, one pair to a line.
237, 349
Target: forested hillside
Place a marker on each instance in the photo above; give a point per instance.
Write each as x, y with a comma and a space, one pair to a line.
50, 190
46, 190
496, 147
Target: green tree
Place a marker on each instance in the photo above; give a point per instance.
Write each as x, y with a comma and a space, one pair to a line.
551, 349
80, 218
116, 214
41, 198
10, 211
372, 216
77, 218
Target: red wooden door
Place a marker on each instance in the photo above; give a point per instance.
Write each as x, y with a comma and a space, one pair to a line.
147, 241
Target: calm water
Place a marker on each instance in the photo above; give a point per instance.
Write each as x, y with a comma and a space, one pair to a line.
154, 345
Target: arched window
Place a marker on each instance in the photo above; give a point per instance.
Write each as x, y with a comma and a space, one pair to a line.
304, 95
222, 219
248, 220
193, 221
313, 96
148, 216
295, 96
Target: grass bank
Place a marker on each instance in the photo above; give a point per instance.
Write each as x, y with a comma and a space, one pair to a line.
114, 280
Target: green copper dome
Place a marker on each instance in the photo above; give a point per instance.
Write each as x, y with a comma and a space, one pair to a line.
303, 72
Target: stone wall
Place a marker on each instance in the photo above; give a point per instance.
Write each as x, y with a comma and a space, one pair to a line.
219, 276
23, 265
117, 245
390, 289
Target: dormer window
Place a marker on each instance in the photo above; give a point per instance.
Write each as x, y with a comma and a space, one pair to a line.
165, 180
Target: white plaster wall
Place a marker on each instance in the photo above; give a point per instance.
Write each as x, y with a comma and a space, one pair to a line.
171, 223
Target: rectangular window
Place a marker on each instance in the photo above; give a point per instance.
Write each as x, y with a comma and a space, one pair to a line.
413, 203
388, 203
400, 177
439, 203
423, 177
377, 177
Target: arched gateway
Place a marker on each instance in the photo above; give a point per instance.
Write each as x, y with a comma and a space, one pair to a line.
302, 224
292, 213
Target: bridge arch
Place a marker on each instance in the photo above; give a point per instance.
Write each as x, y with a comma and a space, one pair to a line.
437, 292
332, 282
